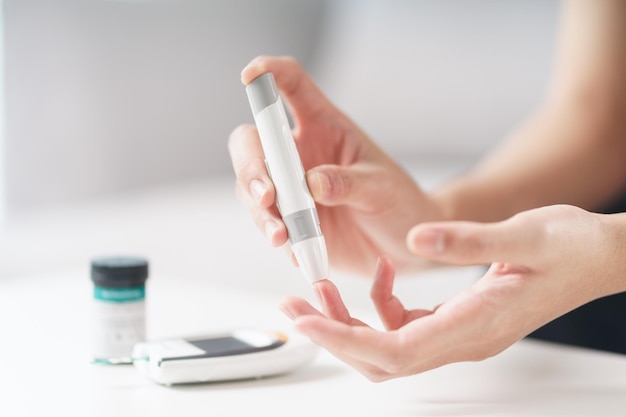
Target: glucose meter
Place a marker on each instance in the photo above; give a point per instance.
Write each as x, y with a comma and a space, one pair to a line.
221, 356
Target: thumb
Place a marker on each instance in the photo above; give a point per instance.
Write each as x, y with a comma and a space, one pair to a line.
470, 243
355, 185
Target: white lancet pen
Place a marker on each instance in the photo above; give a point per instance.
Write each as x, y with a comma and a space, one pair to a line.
293, 198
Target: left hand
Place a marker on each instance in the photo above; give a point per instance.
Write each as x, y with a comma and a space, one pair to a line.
545, 263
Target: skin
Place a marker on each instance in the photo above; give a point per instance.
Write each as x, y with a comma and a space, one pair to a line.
571, 150
526, 209
366, 201
531, 284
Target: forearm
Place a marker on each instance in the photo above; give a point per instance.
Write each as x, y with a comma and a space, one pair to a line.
557, 157
611, 277
573, 150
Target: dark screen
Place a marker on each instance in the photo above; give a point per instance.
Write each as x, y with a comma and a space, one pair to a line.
218, 346
223, 346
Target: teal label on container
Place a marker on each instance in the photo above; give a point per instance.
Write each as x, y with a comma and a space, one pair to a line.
119, 295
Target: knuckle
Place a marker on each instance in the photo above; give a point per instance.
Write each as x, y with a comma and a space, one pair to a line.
260, 60
247, 171
291, 60
240, 134
243, 175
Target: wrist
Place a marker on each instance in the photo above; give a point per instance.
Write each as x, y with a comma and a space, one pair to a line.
614, 227
468, 199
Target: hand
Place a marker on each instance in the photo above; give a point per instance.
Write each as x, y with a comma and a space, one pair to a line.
366, 202
546, 262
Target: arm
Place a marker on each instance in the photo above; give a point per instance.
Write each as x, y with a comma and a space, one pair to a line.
571, 152
573, 149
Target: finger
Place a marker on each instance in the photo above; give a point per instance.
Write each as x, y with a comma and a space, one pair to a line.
354, 185
389, 308
267, 220
248, 163
298, 89
469, 243
294, 307
422, 345
244, 146
361, 347
332, 304
254, 188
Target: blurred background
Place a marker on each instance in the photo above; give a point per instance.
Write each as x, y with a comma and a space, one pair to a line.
107, 96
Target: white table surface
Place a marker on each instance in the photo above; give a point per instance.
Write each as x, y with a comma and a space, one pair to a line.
211, 269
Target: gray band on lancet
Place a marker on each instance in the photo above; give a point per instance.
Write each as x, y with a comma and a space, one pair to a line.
302, 225
262, 92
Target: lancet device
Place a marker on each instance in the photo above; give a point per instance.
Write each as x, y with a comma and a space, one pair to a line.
293, 198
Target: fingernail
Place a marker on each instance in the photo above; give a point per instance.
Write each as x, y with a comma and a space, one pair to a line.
379, 267
431, 241
257, 190
287, 311
319, 184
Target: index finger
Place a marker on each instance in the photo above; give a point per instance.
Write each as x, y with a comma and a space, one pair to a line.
297, 87
332, 304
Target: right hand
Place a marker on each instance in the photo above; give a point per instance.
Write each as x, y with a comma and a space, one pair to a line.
366, 202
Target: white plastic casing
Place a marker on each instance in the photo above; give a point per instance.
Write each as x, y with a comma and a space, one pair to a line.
296, 352
282, 159
312, 258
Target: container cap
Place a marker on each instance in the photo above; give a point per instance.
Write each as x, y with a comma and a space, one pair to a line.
119, 271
